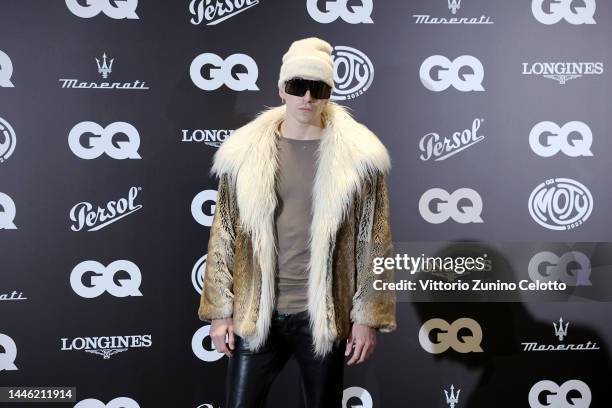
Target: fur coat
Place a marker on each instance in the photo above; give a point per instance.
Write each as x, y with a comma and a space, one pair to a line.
350, 227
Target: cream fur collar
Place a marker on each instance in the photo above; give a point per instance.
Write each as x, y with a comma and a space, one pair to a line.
348, 152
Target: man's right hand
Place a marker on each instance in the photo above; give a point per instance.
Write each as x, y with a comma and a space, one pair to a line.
222, 335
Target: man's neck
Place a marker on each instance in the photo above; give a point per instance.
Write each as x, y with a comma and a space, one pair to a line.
293, 129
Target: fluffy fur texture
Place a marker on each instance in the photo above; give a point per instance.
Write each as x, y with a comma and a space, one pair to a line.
351, 167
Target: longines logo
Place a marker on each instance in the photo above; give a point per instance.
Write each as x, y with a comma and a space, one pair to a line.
562, 71
353, 73
221, 72
433, 146
560, 331
114, 9
90, 279
6, 70
216, 11
7, 358
572, 268
210, 137
105, 69
7, 212
86, 217
14, 295
560, 204
453, 7
446, 73
119, 402
574, 139
570, 394
354, 14
452, 399
106, 346
447, 336
119, 140
446, 205
8, 140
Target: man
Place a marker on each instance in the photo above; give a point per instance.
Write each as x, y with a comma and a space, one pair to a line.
302, 210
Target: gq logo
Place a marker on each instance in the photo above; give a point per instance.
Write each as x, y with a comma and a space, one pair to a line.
203, 207
447, 206
8, 140
546, 394
447, 335
197, 345
8, 215
117, 9
7, 359
572, 268
547, 139
119, 402
6, 70
353, 73
447, 73
119, 140
351, 394
340, 8
102, 278
563, 9
219, 72
197, 274
560, 204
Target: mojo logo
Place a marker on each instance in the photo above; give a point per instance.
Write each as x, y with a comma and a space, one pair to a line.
353, 73
208, 353
6, 70
216, 11
84, 215
220, 72
198, 273
7, 212
551, 12
447, 73
203, 207
119, 140
7, 358
114, 9
339, 8
572, 268
447, 336
210, 137
356, 397
119, 402
451, 206
431, 145
560, 204
90, 279
573, 139
546, 394
8, 140
106, 346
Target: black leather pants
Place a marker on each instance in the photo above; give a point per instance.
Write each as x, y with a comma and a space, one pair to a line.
250, 374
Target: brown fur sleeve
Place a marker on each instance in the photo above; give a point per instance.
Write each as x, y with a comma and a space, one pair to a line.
374, 308
216, 301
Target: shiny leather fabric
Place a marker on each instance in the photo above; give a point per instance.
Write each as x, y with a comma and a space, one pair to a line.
250, 374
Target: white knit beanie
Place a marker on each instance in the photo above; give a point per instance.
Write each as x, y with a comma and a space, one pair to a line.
308, 57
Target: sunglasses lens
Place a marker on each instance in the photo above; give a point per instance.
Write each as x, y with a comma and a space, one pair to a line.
299, 86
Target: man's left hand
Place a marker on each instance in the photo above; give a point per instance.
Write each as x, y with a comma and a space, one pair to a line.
361, 342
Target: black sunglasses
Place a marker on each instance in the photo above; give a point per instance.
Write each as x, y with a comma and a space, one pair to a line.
299, 86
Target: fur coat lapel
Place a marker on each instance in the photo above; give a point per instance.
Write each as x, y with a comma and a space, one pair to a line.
348, 152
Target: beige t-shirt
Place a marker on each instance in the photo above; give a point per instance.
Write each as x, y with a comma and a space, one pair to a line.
297, 165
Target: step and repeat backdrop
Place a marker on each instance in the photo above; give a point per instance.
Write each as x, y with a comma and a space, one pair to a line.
497, 118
